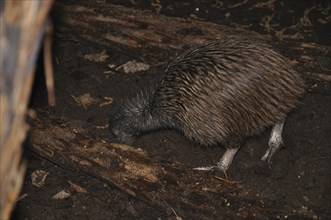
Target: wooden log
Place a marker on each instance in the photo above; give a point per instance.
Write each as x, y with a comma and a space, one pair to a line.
21, 33
136, 31
167, 186
154, 38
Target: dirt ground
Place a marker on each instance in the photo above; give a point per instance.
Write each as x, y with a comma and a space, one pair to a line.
298, 179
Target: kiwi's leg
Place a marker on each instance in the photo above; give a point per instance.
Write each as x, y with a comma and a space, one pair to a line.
227, 159
275, 141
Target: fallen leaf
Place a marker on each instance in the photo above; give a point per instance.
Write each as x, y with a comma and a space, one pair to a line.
77, 187
85, 100
98, 57
38, 178
133, 66
62, 195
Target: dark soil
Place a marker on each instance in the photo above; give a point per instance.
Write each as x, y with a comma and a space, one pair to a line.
298, 179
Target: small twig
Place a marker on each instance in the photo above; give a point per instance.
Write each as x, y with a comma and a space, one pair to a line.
22, 197
173, 210
108, 101
48, 63
320, 76
227, 180
102, 126
78, 102
238, 4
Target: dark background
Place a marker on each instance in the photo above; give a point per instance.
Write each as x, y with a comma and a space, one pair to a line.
299, 178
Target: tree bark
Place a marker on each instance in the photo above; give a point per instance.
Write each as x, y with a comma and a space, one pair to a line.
154, 38
167, 186
137, 32
21, 31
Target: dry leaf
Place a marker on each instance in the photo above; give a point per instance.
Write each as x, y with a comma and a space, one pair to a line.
62, 195
38, 178
85, 100
98, 57
77, 187
133, 66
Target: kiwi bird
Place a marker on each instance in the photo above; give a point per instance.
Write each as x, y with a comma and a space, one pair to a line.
216, 94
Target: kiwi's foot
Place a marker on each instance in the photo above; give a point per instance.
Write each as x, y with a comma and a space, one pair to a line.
224, 163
